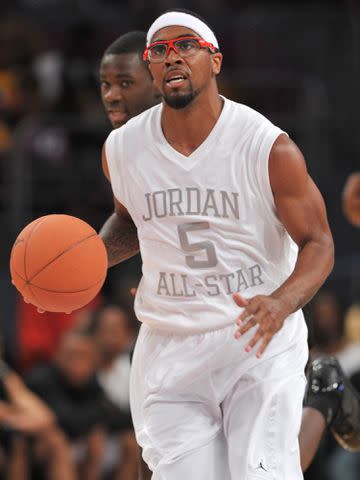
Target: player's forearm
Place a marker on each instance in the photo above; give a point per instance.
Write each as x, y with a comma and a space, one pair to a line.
314, 264
120, 239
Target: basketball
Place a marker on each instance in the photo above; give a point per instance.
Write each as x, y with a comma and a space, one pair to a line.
58, 263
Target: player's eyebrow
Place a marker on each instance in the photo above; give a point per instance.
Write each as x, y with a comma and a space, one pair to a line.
118, 75
177, 36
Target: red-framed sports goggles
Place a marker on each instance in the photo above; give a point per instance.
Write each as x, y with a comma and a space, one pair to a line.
184, 46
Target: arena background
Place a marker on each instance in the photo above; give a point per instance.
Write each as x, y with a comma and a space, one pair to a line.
297, 63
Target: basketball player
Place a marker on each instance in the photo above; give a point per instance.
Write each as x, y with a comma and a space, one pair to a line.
126, 85
115, 62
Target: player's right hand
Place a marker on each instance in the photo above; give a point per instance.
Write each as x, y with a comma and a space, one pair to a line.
265, 311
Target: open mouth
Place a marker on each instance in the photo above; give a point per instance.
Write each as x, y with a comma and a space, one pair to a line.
117, 115
175, 79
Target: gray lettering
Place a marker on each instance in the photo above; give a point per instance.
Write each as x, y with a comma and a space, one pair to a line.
255, 272
242, 283
212, 285
163, 285
185, 285
234, 206
174, 292
227, 281
211, 260
175, 203
161, 194
210, 202
189, 191
147, 196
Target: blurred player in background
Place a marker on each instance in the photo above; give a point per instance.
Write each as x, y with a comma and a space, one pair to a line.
127, 89
126, 84
122, 72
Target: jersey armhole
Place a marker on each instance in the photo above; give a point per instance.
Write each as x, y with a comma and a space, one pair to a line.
263, 173
115, 158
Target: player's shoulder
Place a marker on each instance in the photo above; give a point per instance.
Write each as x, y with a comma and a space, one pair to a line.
139, 121
137, 124
247, 114
245, 125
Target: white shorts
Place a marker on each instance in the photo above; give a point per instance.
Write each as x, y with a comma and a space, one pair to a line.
204, 409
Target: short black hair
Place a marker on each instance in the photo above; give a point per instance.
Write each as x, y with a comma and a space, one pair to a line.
131, 42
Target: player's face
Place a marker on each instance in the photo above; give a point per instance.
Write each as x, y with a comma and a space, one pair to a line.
113, 335
126, 87
180, 80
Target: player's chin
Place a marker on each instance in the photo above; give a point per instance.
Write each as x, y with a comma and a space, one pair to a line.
118, 119
179, 100
176, 88
118, 124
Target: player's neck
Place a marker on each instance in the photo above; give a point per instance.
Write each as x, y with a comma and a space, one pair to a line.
187, 128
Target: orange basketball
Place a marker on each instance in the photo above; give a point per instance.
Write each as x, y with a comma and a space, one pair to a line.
58, 263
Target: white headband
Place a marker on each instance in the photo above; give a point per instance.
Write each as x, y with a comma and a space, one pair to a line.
170, 19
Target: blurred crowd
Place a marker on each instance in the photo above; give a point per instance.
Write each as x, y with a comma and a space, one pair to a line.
64, 406
68, 415
335, 330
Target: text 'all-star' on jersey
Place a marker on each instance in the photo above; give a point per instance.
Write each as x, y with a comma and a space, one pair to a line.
206, 223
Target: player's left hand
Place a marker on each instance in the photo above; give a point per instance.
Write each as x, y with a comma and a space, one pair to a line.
267, 312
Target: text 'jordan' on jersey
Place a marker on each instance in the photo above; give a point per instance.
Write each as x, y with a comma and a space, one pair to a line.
206, 223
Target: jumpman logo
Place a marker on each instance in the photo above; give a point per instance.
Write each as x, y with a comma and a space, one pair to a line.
261, 466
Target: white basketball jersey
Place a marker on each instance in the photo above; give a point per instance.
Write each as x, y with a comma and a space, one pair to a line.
206, 223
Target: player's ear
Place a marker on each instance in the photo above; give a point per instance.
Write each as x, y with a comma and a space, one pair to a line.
216, 61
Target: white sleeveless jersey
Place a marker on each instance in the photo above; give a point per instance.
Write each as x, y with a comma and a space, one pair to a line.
206, 223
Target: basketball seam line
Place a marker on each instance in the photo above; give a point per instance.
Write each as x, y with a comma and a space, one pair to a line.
26, 244
17, 273
60, 254
58, 291
36, 298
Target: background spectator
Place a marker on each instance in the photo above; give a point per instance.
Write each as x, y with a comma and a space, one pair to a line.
327, 314
115, 337
28, 431
70, 388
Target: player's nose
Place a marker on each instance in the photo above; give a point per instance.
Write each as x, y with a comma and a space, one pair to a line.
173, 57
113, 94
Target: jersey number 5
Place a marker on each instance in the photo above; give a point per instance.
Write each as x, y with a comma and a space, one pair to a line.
211, 260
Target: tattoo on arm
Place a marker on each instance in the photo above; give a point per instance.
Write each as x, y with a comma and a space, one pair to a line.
120, 239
